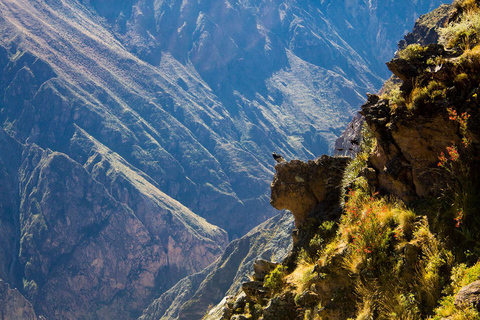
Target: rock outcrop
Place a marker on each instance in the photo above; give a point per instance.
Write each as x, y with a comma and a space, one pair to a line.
469, 296
410, 142
14, 306
301, 187
426, 27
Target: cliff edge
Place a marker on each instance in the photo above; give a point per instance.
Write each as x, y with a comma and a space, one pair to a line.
404, 243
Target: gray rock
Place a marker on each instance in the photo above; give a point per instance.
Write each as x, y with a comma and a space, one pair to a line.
240, 301
469, 295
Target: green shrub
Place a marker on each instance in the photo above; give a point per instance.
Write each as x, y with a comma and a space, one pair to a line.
396, 97
412, 51
274, 281
426, 95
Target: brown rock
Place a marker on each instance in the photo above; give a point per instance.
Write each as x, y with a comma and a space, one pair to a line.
281, 308
407, 151
300, 187
307, 298
13, 304
255, 290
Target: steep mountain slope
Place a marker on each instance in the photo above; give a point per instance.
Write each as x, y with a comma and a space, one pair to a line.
110, 137
399, 236
13, 305
88, 256
220, 86
288, 75
190, 297
372, 28
237, 46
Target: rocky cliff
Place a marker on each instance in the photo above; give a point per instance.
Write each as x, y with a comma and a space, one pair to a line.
191, 297
304, 188
404, 243
13, 305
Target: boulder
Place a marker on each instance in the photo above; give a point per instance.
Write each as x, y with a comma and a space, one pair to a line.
240, 301
263, 267
307, 299
281, 307
469, 295
255, 290
302, 186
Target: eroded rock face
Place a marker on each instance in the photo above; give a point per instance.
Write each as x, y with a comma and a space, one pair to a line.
407, 151
301, 186
281, 307
13, 305
411, 139
426, 27
82, 253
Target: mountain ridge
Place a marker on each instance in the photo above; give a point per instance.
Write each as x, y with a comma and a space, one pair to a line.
160, 144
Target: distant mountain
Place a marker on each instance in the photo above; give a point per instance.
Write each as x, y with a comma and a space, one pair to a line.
75, 251
190, 298
123, 122
288, 75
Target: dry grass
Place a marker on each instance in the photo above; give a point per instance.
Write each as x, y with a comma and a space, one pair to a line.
464, 34
301, 278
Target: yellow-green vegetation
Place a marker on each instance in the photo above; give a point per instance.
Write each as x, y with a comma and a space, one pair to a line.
412, 51
353, 178
465, 33
461, 276
422, 95
394, 261
396, 267
274, 281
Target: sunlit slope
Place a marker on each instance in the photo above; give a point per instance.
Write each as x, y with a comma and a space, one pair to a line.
211, 155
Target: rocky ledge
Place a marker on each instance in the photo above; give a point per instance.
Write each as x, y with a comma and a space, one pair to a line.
305, 187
